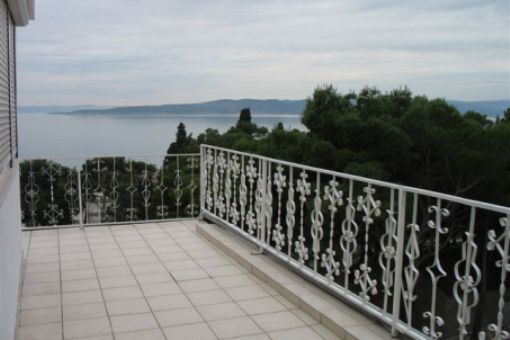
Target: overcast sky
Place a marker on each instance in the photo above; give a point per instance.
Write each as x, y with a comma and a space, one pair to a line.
127, 52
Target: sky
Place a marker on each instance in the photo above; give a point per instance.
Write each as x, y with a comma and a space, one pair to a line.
132, 52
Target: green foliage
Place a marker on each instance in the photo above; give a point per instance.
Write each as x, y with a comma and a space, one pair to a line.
238, 137
244, 125
392, 136
371, 169
183, 141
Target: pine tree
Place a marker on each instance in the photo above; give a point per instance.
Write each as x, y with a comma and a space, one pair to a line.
245, 115
181, 140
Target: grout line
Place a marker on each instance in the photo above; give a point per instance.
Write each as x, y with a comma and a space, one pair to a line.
99, 283
173, 278
270, 296
138, 282
177, 282
147, 241
24, 264
208, 235
210, 277
60, 285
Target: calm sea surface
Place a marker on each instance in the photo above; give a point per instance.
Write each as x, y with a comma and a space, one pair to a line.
43, 135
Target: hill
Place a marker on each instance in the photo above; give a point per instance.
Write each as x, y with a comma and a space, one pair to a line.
57, 109
222, 106
491, 108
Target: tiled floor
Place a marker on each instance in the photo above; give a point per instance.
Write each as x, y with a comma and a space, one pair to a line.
147, 281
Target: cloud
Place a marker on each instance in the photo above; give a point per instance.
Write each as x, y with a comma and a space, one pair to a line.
121, 52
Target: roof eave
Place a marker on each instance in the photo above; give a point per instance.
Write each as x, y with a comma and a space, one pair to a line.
22, 11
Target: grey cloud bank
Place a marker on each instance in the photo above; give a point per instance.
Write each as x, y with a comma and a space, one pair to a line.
127, 52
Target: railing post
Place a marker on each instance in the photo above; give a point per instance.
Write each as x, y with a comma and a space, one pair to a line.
397, 292
80, 210
263, 205
203, 182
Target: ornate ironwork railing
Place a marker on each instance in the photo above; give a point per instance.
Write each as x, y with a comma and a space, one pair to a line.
109, 190
428, 265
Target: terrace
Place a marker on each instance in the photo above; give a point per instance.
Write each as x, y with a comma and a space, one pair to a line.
231, 245
114, 250
148, 281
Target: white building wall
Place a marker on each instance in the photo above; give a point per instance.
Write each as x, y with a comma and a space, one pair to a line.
10, 254
12, 13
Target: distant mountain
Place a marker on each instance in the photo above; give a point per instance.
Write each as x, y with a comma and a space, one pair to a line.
222, 106
490, 108
56, 109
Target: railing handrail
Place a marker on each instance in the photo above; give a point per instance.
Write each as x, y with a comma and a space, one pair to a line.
61, 157
390, 185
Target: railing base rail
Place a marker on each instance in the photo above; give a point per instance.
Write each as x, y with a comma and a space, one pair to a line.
111, 224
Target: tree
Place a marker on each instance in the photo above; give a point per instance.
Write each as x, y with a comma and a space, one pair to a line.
322, 108
245, 115
244, 125
182, 140
506, 114
478, 117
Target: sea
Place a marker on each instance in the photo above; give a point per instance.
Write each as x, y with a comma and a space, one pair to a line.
62, 135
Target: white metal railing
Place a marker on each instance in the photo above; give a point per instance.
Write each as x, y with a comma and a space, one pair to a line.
108, 189
427, 264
